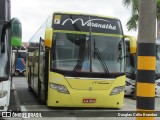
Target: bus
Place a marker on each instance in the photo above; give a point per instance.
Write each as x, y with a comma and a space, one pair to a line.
19, 66
78, 60
10, 35
131, 70
157, 78
131, 60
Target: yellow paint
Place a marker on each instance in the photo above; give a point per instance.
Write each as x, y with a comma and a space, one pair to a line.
48, 37
133, 44
144, 113
146, 63
84, 84
145, 118
79, 89
145, 89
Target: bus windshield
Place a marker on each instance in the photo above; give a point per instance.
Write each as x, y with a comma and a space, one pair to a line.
158, 60
131, 64
4, 60
87, 53
131, 61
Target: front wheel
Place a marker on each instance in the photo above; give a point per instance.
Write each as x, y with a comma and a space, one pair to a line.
24, 73
29, 88
16, 73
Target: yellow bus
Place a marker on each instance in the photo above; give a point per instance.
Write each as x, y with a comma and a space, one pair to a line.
131, 70
78, 60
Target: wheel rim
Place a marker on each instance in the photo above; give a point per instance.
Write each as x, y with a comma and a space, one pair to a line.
24, 73
16, 73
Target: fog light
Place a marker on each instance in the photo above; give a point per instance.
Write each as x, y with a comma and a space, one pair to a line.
1, 107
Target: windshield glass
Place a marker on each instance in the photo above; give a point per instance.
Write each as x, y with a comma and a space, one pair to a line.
131, 60
131, 64
158, 60
4, 53
20, 54
87, 53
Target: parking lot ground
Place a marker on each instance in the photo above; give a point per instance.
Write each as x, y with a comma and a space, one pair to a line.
29, 104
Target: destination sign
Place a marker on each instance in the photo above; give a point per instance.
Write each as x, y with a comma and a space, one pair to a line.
86, 23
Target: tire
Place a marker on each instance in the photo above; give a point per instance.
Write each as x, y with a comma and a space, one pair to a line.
29, 80
24, 73
16, 73
29, 88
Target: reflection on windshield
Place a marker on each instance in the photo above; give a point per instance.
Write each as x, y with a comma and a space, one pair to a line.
3, 58
131, 64
84, 53
132, 61
3, 65
101, 60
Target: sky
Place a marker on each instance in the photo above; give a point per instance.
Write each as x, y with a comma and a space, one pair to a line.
33, 13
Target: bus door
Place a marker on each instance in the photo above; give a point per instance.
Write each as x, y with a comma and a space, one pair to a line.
42, 82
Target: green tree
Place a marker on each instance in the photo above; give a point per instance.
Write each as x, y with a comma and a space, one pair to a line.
133, 5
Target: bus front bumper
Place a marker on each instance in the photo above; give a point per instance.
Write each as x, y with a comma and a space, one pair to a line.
85, 98
3, 103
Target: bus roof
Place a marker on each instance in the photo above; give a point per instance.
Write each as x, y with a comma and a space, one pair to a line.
78, 13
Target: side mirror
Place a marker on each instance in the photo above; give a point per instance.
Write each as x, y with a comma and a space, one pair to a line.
132, 44
16, 33
48, 37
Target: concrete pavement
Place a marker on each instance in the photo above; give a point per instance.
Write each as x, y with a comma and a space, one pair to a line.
29, 103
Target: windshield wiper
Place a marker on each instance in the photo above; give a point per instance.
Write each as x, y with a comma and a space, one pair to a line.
101, 60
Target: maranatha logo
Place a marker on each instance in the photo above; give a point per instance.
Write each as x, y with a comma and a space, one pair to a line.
90, 23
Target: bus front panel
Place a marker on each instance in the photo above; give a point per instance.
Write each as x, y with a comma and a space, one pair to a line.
85, 92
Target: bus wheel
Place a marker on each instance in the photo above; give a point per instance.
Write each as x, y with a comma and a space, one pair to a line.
24, 73
16, 73
29, 88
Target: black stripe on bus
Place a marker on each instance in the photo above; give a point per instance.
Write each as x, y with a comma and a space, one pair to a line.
146, 49
87, 74
146, 103
146, 76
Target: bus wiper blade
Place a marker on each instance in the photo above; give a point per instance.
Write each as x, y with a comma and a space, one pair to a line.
78, 67
101, 60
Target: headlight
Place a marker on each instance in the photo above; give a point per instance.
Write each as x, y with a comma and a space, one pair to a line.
117, 90
3, 93
59, 88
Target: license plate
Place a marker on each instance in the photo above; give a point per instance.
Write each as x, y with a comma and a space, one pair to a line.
89, 100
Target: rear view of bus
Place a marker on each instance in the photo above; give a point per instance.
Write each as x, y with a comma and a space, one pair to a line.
81, 62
